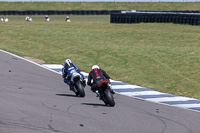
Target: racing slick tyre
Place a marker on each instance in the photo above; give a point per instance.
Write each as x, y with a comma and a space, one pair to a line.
109, 98
80, 89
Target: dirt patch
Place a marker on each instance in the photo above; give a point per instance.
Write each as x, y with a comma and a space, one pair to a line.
34, 59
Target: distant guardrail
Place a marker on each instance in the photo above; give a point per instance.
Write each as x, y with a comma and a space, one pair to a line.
100, 1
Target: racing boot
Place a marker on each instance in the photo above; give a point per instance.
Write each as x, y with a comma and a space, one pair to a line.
71, 87
97, 93
84, 82
111, 90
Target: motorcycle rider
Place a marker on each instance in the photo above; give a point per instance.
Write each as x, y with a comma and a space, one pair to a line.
27, 18
97, 75
47, 18
68, 65
4, 19
67, 18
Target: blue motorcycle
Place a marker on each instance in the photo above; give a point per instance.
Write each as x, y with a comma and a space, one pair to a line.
77, 81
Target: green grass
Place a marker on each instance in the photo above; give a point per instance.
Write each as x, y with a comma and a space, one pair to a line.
163, 57
155, 6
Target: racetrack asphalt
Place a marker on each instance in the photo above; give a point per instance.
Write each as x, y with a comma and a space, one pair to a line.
36, 100
143, 93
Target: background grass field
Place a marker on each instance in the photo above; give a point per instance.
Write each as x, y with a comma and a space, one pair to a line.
152, 6
160, 56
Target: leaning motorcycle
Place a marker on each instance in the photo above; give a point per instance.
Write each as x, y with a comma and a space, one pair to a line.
105, 93
78, 82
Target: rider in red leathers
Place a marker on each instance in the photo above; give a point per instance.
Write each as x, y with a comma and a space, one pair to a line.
97, 75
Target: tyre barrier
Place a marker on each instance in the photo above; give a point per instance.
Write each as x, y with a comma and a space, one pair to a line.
159, 17
54, 12
186, 11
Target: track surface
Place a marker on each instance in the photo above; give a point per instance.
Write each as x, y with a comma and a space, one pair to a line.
36, 100
141, 92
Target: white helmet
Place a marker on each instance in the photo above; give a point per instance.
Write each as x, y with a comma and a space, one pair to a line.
95, 66
67, 61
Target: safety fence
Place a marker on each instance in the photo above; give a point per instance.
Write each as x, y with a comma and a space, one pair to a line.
53, 12
156, 17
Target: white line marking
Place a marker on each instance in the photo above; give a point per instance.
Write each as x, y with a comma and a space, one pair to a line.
28, 61
169, 99
142, 93
187, 105
125, 86
53, 66
84, 73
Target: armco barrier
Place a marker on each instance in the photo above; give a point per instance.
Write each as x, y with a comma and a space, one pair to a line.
54, 12
156, 17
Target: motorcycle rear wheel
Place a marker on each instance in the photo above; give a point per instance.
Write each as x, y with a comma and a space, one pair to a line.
80, 89
109, 98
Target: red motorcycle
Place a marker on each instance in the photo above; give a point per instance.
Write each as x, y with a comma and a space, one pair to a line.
105, 93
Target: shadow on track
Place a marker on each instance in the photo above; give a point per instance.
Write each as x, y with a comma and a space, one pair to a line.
94, 104
66, 95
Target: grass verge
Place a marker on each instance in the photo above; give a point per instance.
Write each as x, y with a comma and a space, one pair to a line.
151, 6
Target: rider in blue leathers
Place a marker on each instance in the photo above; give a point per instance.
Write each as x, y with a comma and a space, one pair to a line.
67, 69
